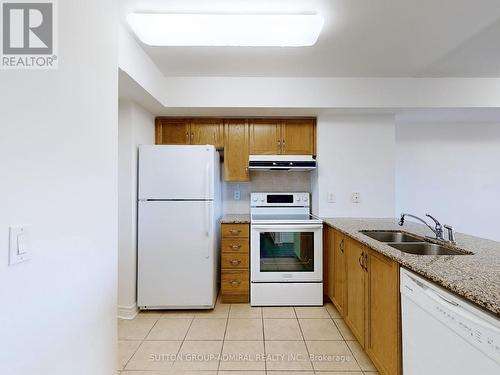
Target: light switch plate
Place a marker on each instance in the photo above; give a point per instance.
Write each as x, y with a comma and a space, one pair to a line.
331, 197
19, 244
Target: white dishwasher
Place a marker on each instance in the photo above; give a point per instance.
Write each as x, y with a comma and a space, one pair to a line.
443, 334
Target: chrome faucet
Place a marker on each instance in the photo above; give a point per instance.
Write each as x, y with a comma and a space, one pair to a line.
451, 234
437, 230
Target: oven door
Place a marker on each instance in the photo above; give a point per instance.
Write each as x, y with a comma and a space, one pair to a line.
287, 253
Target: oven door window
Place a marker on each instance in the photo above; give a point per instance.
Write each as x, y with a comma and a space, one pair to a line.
286, 251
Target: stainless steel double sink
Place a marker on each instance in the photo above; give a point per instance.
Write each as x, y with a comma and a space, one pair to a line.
410, 244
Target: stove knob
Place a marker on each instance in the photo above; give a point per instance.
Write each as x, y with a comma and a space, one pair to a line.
304, 199
255, 199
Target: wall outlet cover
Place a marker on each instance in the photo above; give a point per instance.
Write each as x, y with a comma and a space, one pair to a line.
355, 197
237, 195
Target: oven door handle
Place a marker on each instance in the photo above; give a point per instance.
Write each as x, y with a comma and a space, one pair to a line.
292, 227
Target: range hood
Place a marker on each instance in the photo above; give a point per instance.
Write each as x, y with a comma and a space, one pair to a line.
282, 162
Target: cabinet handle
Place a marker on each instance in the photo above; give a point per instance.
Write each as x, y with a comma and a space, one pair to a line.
279, 142
235, 262
342, 245
234, 231
235, 247
235, 283
187, 136
365, 263
361, 259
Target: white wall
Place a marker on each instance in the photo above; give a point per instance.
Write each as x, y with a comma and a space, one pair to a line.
58, 168
262, 181
329, 92
355, 154
134, 62
135, 127
451, 171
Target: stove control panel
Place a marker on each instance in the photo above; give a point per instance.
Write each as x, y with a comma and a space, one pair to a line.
280, 199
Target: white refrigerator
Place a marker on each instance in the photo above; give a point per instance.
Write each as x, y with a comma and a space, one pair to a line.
179, 207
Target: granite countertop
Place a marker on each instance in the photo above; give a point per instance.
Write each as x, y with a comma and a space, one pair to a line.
474, 277
235, 219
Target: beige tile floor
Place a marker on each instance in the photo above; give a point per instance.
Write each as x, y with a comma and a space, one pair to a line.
236, 339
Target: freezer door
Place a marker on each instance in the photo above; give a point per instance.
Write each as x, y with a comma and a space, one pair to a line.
177, 172
176, 255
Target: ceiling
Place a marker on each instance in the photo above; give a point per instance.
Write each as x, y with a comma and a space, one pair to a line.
361, 38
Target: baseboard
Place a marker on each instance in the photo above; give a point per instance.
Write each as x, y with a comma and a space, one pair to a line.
128, 312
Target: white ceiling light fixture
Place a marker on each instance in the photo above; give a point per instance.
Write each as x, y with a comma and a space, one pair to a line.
252, 30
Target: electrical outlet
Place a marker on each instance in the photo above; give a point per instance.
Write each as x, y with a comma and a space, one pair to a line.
236, 195
331, 197
355, 197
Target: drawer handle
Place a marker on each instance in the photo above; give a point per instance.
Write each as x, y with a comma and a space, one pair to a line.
235, 283
235, 247
235, 231
235, 262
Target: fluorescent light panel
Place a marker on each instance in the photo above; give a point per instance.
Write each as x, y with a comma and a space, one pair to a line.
270, 30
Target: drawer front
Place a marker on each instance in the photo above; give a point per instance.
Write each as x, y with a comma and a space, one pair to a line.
235, 230
234, 282
235, 245
236, 260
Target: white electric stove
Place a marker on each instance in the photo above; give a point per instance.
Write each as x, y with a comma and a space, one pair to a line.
286, 251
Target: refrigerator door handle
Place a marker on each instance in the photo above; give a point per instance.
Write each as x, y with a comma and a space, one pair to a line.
209, 226
207, 181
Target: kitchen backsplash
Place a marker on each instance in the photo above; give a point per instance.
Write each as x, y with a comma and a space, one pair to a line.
262, 181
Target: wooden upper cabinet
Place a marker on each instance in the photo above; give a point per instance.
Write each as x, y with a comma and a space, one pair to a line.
298, 137
355, 306
171, 131
265, 137
207, 131
283, 136
236, 146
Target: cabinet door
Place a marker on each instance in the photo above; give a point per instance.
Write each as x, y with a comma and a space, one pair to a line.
265, 137
298, 137
236, 150
383, 340
339, 272
206, 131
172, 131
356, 274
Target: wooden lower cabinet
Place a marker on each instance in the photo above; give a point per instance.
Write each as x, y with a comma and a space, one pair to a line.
365, 290
339, 290
235, 275
356, 283
383, 336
